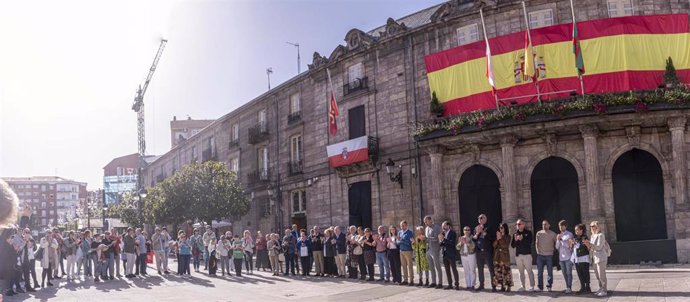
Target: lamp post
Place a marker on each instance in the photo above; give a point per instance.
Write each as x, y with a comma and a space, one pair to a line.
394, 172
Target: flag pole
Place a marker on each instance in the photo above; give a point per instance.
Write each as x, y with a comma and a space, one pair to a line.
579, 74
486, 39
529, 38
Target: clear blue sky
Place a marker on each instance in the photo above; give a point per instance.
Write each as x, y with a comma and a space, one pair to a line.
69, 69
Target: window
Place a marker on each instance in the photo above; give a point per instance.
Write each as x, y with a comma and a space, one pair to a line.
35, 186
43, 188
262, 118
296, 148
468, 34
43, 212
120, 172
43, 221
355, 72
541, 18
235, 132
212, 146
357, 122
43, 205
50, 187
294, 103
194, 157
262, 159
299, 201
620, 8
52, 212
235, 165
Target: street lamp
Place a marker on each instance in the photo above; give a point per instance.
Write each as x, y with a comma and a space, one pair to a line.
395, 173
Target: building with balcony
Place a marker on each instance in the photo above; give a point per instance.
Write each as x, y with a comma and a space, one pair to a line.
531, 154
52, 198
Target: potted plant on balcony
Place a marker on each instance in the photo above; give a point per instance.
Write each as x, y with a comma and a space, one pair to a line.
670, 77
435, 107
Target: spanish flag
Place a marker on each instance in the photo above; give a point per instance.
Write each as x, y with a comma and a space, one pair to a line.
621, 54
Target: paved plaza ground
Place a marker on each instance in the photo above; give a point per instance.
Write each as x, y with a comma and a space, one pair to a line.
626, 283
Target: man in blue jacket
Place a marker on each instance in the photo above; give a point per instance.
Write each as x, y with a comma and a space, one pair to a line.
405, 239
448, 240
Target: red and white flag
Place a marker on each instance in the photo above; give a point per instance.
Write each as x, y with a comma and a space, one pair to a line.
332, 108
490, 67
348, 152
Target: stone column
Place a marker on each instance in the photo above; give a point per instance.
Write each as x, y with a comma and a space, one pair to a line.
436, 203
677, 128
589, 135
509, 185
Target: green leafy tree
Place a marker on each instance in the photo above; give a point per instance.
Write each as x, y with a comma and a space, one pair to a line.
197, 192
126, 210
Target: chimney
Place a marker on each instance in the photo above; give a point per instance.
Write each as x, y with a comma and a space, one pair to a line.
174, 118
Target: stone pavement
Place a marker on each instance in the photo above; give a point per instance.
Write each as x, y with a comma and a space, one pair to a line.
625, 283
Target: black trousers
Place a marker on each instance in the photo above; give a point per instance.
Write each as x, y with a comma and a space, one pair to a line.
238, 266
583, 274
26, 273
451, 265
304, 261
485, 258
362, 267
394, 260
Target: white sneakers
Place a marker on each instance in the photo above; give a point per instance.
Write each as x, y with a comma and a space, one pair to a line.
531, 289
601, 293
522, 289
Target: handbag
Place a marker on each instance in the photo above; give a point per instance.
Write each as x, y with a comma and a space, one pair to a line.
281, 257
149, 257
357, 250
39, 254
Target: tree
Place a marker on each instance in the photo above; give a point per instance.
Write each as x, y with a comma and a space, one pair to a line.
126, 210
197, 192
670, 75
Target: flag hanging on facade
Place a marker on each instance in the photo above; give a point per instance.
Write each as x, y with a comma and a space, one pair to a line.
529, 67
332, 108
490, 68
579, 61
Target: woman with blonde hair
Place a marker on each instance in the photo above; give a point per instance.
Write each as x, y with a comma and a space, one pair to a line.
419, 249
248, 246
9, 204
468, 258
273, 253
599, 250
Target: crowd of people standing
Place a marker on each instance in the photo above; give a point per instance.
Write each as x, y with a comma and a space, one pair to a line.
353, 253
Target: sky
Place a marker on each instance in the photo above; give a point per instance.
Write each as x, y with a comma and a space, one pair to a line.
69, 69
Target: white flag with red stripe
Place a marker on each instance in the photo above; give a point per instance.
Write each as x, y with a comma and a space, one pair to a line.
348, 152
490, 68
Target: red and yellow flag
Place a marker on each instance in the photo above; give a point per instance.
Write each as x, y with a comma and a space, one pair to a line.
626, 53
529, 67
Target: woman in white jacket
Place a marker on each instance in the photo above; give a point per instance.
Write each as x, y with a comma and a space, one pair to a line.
599, 251
49, 259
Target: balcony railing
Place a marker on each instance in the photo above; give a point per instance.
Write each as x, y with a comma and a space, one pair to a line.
259, 176
294, 117
234, 143
208, 154
295, 167
258, 133
356, 85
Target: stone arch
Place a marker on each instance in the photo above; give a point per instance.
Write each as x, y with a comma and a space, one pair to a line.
479, 192
555, 192
607, 187
525, 188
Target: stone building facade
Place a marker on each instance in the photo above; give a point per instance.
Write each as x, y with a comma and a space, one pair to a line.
277, 142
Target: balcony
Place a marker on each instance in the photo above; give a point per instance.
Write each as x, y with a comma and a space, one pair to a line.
234, 143
258, 133
360, 84
259, 176
294, 117
294, 167
353, 163
208, 154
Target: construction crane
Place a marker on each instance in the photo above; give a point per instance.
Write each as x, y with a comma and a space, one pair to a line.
138, 107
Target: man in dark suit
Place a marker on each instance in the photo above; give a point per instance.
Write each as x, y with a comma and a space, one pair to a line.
483, 238
448, 239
